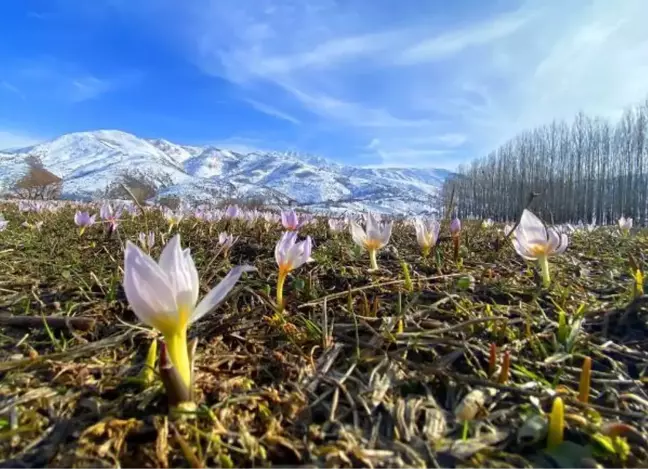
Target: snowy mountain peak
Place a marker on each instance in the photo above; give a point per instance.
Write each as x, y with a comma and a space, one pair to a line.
88, 162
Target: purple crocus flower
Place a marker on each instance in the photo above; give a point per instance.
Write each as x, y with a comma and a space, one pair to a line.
291, 254
109, 215
455, 227
83, 220
290, 221
232, 212
226, 241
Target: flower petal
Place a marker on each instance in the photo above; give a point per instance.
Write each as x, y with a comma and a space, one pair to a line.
562, 245
386, 234
180, 275
522, 250
283, 246
219, 292
373, 228
195, 281
147, 289
357, 233
531, 230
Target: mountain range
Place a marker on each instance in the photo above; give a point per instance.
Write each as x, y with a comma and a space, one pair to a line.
88, 162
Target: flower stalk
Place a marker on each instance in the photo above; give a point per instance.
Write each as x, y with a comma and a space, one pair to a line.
543, 262
281, 279
455, 232
492, 359
556, 424
149, 365
506, 368
373, 262
585, 379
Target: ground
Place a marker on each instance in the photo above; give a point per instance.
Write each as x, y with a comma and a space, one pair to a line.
373, 369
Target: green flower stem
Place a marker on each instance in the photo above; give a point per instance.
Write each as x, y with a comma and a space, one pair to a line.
280, 286
179, 354
372, 259
543, 261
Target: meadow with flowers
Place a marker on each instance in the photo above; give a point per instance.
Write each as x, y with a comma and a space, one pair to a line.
139, 336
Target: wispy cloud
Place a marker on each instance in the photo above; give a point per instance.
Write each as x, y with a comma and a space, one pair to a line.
272, 111
423, 83
11, 88
89, 87
50, 78
446, 45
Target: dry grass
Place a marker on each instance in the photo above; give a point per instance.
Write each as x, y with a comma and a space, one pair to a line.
333, 381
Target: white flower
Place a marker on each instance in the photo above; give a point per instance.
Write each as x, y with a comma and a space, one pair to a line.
427, 233
146, 241
291, 254
376, 236
625, 224
173, 218
226, 240
164, 294
532, 240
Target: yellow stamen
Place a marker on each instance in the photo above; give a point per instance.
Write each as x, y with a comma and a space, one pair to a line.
538, 250
372, 244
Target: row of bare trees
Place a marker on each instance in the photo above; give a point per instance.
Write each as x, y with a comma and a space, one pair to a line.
589, 169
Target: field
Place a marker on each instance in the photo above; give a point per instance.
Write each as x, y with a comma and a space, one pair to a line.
361, 369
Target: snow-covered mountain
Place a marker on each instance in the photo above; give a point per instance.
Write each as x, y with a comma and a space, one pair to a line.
88, 162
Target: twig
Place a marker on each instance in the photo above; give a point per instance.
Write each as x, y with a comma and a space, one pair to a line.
54, 322
76, 352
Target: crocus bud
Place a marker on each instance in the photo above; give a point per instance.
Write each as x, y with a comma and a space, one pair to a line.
455, 227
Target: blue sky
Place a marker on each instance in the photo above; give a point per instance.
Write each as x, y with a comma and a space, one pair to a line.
368, 82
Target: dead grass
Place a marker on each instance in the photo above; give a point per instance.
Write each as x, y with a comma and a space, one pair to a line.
355, 389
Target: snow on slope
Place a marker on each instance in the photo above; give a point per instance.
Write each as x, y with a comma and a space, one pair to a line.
211, 162
89, 161
12, 168
179, 153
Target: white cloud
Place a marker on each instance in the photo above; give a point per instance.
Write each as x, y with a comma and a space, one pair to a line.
421, 83
89, 87
451, 43
49, 78
11, 88
272, 111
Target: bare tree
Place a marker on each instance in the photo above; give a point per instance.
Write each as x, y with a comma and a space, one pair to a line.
38, 183
589, 169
